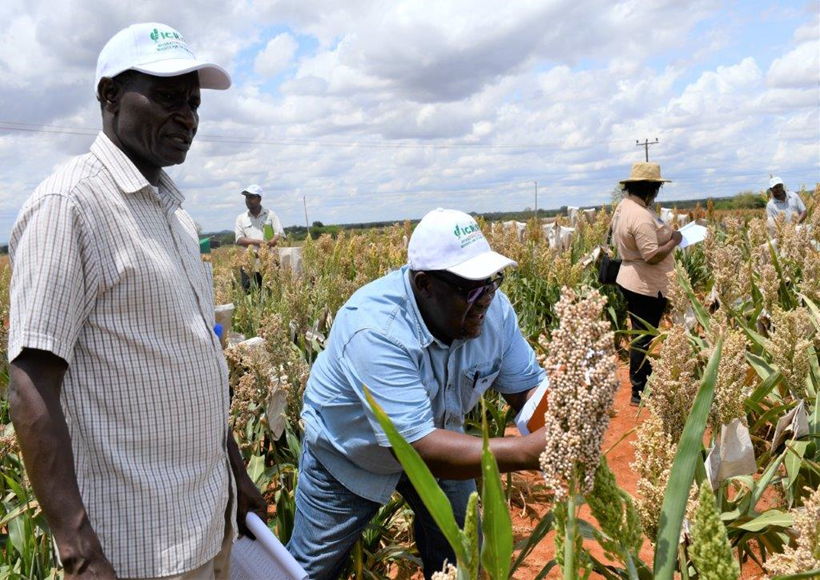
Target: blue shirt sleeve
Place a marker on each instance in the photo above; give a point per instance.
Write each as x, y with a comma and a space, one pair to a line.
520, 370
394, 379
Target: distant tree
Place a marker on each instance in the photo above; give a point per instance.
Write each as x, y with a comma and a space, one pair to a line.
318, 224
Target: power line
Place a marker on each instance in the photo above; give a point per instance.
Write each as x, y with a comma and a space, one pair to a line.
226, 139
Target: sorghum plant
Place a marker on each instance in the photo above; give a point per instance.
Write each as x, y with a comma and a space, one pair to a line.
581, 364
805, 555
710, 551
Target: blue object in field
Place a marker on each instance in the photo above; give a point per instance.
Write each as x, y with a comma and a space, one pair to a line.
218, 331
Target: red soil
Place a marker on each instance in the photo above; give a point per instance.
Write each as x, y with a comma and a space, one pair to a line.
619, 454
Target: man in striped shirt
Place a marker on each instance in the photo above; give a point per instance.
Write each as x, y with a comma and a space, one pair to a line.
119, 388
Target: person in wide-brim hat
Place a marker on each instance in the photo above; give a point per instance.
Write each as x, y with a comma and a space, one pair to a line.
645, 245
645, 171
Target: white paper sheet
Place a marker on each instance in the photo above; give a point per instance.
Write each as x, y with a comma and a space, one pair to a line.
525, 414
264, 558
692, 234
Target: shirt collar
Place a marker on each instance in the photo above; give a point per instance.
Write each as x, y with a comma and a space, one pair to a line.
126, 175
636, 199
262, 213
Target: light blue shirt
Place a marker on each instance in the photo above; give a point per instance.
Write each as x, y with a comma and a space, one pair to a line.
379, 339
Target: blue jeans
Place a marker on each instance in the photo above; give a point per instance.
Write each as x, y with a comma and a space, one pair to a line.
330, 518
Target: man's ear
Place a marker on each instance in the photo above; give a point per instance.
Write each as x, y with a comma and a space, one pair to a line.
422, 282
109, 93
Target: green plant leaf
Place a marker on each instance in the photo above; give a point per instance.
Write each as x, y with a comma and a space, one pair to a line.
683, 471
528, 545
418, 473
496, 551
766, 519
795, 451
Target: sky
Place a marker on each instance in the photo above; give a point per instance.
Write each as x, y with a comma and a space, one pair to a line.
364, 110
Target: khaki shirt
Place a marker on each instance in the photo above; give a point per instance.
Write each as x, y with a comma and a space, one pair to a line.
107, 276
637, 232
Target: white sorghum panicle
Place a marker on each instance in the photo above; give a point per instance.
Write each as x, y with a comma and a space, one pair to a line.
711, 552
654, 452
732, 275
788, 346
582, 372
449, 572
769, 285
678, 300
805, 555
673, 383
731, 389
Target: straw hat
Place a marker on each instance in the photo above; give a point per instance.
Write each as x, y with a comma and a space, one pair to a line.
643, 171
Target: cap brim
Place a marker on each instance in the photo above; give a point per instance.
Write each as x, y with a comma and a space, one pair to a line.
211, 76
482, 266
628, 180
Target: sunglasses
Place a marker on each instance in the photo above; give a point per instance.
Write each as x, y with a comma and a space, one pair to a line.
469, 294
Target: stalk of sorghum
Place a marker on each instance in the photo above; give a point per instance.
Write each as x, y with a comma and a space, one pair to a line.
805, 555
758, 232
788, 345
810, 272
582, 372
8, 441
291, 369
711, 552
731, 389
617, 516
654, 453
673, 383
769, 285
678, 300
731, 274
258, 388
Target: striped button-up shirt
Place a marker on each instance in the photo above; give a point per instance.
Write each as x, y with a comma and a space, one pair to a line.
107, 276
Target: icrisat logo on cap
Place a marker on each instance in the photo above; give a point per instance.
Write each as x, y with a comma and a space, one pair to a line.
471, 231
156, 35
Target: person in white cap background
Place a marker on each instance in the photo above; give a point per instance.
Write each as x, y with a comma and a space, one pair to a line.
784, 203
256, 227
427, 340
118, 385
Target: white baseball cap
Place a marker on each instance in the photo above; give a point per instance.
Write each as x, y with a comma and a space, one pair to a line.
447, 239
252, 190
775, 181
159, 50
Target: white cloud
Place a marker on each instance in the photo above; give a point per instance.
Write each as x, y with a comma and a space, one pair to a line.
799, 68
276, 56
376, 110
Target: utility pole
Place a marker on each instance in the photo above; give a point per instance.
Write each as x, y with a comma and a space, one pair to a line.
536, 199
646, 145
304, 203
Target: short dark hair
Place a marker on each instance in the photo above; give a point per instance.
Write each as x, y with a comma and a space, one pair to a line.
642, 189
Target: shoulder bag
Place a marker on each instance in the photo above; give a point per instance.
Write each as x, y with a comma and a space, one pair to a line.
608, 265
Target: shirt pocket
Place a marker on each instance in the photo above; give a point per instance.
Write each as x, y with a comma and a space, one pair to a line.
475, 382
